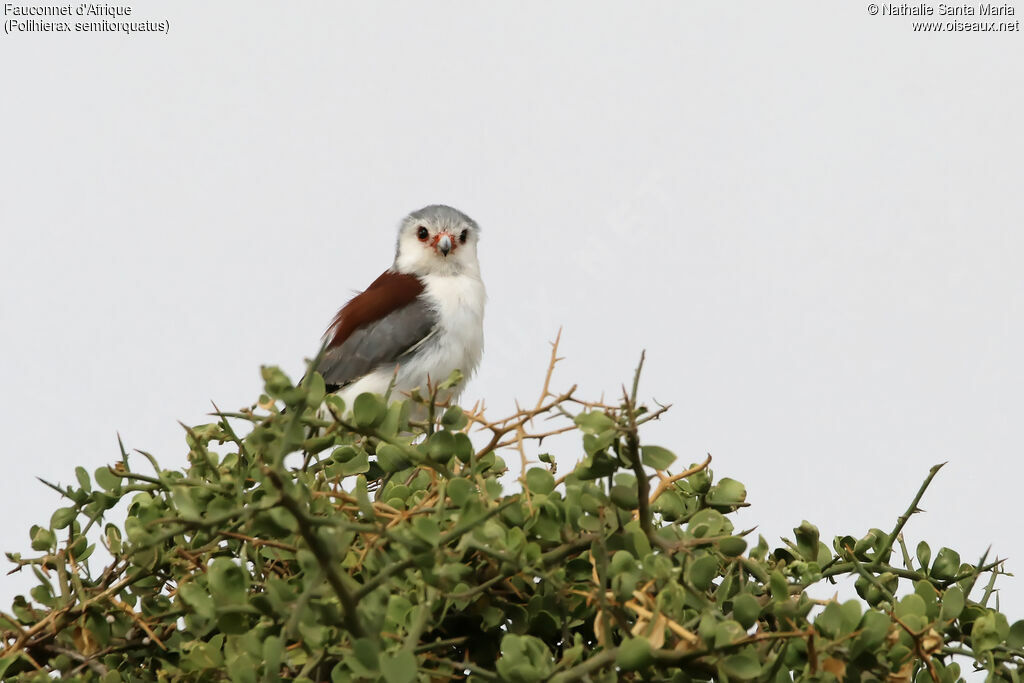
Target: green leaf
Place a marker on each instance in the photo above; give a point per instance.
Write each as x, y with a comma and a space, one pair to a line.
392, 458
367, 653
463, 447
702, 572
622, 561
597, 443
873, 627
395, 420
910, 605
83, 479
952, 603
540, 480
624, 497
728, 632
707, 523
924, 555
524, 659
1015, 637
454, 419
669, 505
807, 539
988, 631
113, 535
333, 401
930, 595
197, 597
242, 668
595, 467
830, 622
726, 493
398, 610
851, 610
5, 663
743, 666
42, 539
460, 490
633, 654
318, 443
367, 410
746, 609
82, 555
316, 389
779, 586
593, 422
657, 457
400, 668
136, 531
868, 542
700, 481
229, 583
732, 546
344, 453
363, 499
272, 650
107, 479
452, 380
947, 565
313, 634
426, 529
182, 497
357, 465
280, 387
441, 446
62, 517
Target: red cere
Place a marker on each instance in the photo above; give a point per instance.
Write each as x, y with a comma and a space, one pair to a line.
387, 293
451, 238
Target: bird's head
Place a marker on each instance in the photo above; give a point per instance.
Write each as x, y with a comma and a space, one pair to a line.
437, 240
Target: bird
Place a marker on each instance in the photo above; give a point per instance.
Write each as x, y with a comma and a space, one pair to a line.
416, 323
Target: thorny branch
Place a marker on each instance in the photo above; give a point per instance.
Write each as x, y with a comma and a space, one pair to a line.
490, 557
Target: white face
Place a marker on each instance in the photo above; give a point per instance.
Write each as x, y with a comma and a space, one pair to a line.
437, 240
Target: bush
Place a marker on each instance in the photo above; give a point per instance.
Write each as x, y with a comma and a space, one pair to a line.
327, 545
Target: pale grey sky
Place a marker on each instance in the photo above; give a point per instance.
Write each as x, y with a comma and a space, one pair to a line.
809, 216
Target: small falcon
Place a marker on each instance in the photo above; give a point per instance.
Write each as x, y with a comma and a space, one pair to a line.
419, 321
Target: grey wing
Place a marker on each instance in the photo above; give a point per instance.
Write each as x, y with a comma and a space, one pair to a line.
381, 342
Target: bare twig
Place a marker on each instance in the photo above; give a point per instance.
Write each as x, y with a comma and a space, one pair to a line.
322, 554
905, 517
668, 481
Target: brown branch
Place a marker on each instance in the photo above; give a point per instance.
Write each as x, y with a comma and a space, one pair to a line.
546, 389
687, 635
668, 481
138, 620
502, 428
322, 554
258, 542
643, 485
918, 645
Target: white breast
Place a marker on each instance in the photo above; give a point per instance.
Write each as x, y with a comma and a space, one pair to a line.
456, 344
459, 341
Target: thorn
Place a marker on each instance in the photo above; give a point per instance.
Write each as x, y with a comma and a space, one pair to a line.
55, 487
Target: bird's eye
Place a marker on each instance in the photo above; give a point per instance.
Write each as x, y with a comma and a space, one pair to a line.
422, 233
463, 236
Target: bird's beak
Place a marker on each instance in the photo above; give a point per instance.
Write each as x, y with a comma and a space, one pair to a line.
444, 243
